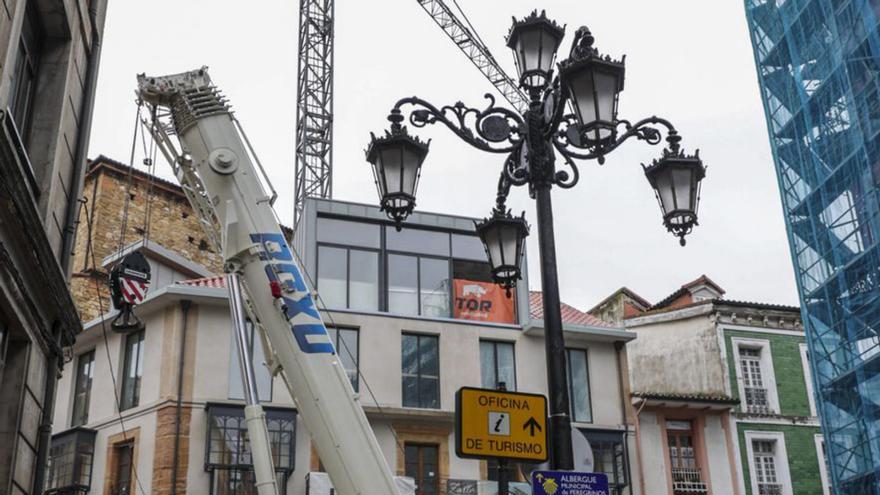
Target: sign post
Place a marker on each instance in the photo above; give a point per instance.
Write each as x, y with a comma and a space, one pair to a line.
569, 483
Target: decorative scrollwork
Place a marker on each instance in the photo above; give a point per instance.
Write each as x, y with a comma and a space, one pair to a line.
483, 129
568, 138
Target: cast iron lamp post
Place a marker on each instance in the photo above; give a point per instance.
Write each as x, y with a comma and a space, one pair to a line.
590, 84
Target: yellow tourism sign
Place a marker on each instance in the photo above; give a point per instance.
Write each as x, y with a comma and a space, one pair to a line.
491, 423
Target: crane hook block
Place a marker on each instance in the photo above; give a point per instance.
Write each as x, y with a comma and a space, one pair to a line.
129, 281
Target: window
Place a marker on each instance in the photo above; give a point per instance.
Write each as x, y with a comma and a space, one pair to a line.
348, 278
24, 76
261, 372
755, 377
497, 364
334, 231
808, 378
609, 457
421, 464
578, 385
82, 388
132, 370
753, 381
345, 340
417, 241
121, 477
69, 466
768, 463
421, 371
418, 286
228, 456
822, 456
686, 473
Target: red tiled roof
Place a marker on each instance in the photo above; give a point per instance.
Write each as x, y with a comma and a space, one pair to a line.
570, 314
212, 282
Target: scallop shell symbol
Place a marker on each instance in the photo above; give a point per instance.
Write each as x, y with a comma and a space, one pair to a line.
550, 486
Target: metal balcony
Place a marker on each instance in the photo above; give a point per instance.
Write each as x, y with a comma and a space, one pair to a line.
688, 481
769, 489
756, 400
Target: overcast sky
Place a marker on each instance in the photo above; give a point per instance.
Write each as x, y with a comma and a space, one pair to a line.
687, 60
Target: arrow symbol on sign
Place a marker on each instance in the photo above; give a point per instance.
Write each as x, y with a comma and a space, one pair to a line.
531, 425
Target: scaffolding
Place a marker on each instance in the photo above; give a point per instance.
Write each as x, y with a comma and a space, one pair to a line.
818, 64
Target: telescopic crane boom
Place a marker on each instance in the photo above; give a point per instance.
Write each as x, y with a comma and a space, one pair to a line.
216, 167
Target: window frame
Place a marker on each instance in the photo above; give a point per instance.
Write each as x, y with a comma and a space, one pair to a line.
356, 354
808, 377
495, 343
125, 383
74, 421
27, 60
449, 291
568, 378
768, 375
418, 375
600, 440
348, 249
780, 456
822, 458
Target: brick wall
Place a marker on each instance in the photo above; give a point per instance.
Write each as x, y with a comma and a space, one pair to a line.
172, 225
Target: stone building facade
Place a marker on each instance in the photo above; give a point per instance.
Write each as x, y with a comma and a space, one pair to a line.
49, 57
185, 429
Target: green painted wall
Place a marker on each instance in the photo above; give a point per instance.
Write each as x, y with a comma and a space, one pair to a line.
788, 369
803, 461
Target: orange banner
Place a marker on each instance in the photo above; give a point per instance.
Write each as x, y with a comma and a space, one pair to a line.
482, 301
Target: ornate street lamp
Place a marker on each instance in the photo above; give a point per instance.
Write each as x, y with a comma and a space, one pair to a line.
593, 83
534, 41
504, 237
590, 83
397, 160
676, 178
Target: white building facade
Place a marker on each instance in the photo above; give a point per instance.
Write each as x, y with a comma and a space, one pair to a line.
414, 317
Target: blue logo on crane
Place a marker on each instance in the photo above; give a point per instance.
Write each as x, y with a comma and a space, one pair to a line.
291, 279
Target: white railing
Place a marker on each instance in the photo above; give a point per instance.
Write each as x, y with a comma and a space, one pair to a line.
769, 489
756, 400
688, 481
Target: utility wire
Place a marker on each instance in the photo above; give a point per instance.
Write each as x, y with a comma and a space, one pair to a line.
106, 345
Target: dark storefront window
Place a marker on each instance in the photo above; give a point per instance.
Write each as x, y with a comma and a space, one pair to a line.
132, 370
609, 457
228, 457
421, 371
82, 392
70, 462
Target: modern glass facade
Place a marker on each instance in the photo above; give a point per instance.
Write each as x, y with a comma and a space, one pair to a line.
818, 64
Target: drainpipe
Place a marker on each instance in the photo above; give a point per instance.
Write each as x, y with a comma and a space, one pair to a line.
622, 388
184, 309
639, 448
45, 429
82, 142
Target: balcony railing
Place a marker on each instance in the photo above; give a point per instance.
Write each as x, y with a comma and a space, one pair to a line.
756, 400
769, 489
688, 481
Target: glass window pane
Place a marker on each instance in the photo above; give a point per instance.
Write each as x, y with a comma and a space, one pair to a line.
468, 247
411, 391
435, 287
332, 268
410, 354
83, 388
417, 241
506, 368
347, 347
429, 393
364, 280
579, 388
488, 379
132, 370
429, 356
348, 233
403, 284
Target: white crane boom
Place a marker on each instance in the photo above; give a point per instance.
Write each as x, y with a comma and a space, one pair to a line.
214, 165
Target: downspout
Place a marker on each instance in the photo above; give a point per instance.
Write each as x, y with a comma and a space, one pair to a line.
82, 142
639, 448
623, 389
45, 429
184, 308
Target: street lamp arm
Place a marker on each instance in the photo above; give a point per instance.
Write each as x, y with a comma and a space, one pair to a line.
493, 129
567, 139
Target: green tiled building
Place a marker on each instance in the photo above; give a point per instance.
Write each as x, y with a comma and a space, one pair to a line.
781, 449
